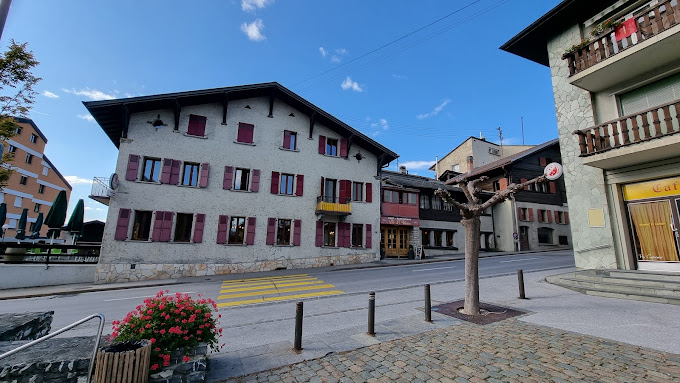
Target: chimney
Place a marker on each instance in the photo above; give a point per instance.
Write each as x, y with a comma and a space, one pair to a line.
470, 163
402, 169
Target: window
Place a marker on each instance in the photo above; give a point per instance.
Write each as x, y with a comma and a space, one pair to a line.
31, 227
329, 234
11, 149
183, 227
245, 133
286, 186
289, 140
331, 147
387, 195
241, 179
438, 238
424, 202
650, 95
542, 215
447, 206
563, 240
29, 158
449, 238
34, 138
36, 208
18, 201
523, 214
545, 235
190, 177
426, 237
23, 180
196, 125
357, 191
412, 198
283, 232
18, 131
141, 226
436, 202
41, 189
152, 170
542, 187
237, 230
456, 168
357, 235
496, 185
560, 217
329, 190
45, 170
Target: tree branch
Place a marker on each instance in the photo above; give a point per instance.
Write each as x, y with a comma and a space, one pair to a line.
463, 185
502, 195
472, 188
446, 196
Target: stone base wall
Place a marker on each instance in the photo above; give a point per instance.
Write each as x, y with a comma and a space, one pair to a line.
124, 272
179, 371
25, 326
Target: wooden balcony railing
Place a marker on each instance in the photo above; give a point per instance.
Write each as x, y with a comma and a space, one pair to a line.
650, 22
652, 123
333, 205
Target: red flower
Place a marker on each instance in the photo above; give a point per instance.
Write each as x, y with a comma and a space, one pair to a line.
186, 358
154, 367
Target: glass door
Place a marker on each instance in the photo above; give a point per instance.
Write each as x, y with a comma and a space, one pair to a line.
654, 235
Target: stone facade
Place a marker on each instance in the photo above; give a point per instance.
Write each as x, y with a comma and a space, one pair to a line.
25, 326
179, 371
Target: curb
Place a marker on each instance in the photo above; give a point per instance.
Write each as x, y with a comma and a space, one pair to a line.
90, 290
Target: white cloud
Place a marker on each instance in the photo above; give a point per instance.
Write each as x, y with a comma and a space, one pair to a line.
49, 94
75, 180
379, 126
349, 84
254, 30
92, 94
400, 77
341, 51
88, 117
416, 165
323, 52
336, 58
252, 5
434, 111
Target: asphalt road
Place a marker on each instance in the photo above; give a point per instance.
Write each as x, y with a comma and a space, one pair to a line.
398, 288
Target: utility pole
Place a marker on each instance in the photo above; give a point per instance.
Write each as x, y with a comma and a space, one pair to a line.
500, 137
522, 130
4, 10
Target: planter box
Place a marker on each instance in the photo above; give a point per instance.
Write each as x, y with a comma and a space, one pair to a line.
126, 362
179, 371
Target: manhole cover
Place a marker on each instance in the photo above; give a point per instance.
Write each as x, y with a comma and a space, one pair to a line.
490, 313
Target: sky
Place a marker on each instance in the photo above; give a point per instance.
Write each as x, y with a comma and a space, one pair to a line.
419, 77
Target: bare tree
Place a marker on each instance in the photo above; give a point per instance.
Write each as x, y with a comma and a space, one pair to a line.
471, 211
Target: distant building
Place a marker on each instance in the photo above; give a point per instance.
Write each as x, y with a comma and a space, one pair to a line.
35, 182
472, 153
93, 231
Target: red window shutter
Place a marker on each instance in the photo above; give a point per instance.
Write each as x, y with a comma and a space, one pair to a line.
255, 181
167, 226
286, 139
132, 167
523, 180
369, 236
503, 183
343, 147
369, 192
319, 233
340, 234
245, 133
300, 182
174, 172
275, 183
543, 161
520, 213
557, 216
228, 177
348, 232
205, 170
271, 231
531, 214
196, 125
165, 172
343, 191
322, 144
222, 228
322, 186
553, 187
122, 225
549, 215
250, 234
157, 226
198, 228
297, 231
566, 217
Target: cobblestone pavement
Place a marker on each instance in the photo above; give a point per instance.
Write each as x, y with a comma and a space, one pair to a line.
506, 351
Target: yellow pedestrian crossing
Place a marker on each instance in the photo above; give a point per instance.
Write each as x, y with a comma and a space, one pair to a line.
271, 289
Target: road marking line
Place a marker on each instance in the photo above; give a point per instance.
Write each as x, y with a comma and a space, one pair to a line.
270, 286
255, 279
519, 260
276, 291
280, 298
145, 296
229, 285
435, 268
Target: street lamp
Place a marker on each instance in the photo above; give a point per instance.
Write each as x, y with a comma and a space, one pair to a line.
4, 227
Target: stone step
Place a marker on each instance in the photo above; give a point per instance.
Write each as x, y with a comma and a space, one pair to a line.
643, 275
653, 283
613, 290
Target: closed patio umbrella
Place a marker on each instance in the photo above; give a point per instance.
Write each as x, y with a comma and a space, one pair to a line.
3, 218
21, 227
57, 215
37, 226
75, 223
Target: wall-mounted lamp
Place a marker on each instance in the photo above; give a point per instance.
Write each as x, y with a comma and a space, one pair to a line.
157, 123
359, 157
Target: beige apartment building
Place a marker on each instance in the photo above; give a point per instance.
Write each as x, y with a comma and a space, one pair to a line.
35, 181
472, 153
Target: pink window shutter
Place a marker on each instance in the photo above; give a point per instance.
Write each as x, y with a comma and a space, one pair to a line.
271, 230
157, 226
122, 225
531, 214
345, 190
167, 226
196, 125
174, 172
132, 167
547, 214
523, 180
250, 234
343, 147
165, 172
198, 228
300, 180
346, 234
275, 183
228, 177
322, 144
553, 187
340, 234
566, 217
205, 170
255, 181
222, 228
542, 161
296, 232
245, 133
322, 186
369, 192
319, 233
369, 236
286, 139
557, 216
520, 214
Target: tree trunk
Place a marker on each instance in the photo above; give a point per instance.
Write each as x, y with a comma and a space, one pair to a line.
472, 231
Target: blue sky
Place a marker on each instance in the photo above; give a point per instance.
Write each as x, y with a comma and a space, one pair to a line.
420, 96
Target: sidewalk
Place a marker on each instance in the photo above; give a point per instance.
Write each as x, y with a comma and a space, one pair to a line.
565, 336
77, 288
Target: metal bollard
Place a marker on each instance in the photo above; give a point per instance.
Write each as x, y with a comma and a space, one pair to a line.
520, 280
371, 314
297, 347
428, 305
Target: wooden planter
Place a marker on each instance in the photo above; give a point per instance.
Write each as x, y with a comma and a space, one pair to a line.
15, 254
126, 362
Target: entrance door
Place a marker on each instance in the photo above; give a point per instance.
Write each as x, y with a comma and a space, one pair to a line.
524, 238
396, 241
654, 229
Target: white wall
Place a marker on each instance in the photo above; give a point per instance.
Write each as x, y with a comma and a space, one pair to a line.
20, 276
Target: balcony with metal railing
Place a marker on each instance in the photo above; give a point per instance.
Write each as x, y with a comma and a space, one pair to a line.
333, 205
646, 136
101, 191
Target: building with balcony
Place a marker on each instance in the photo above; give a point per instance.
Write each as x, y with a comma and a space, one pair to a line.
35, 182
231, 180
471, 153
615, 68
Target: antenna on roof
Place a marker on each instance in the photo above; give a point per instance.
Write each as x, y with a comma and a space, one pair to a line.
522, 130
500, 137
